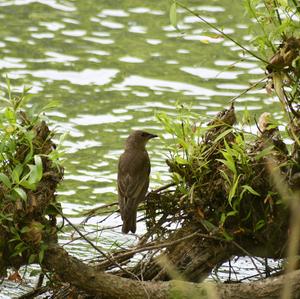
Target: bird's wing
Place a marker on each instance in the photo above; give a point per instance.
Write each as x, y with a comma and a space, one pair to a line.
133, 178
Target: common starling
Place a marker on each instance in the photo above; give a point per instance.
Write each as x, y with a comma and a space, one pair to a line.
133, 177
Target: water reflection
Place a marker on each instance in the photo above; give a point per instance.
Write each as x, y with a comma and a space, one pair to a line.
207, 73
86, 120
51, 3
87, 76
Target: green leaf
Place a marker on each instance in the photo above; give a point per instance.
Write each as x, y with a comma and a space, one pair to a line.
184, 143
14, 231
229, 164
32, 259
41, 256
240, 142
32, 174
260, 224
173, 15
21, 193
265, 152
50, 105
224, 216
180, 160
16, 173
19, 248
231, 213
246, 116
5, 180
278, 86
10, 115
223, 134
26, 90
247, 216
29, 137
35, 173
39, 167
208, 225
232, 191
176, 178
250, 189
227, 236
27, 185
225, 176
42, 252
25, 229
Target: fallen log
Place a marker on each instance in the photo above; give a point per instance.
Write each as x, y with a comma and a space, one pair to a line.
105, 285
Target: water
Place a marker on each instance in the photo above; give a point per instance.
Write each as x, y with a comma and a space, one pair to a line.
111, 65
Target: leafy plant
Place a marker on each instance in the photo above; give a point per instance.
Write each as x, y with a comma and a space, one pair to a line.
217, 160
26, 159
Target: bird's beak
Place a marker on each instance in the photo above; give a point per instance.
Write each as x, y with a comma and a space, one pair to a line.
152, 136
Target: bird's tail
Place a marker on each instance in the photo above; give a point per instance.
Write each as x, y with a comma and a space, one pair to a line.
129, 221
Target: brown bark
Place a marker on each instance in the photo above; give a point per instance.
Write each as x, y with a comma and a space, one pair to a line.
94, 282
194, 258
111, 286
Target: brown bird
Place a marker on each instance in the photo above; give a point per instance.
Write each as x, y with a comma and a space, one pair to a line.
133, 177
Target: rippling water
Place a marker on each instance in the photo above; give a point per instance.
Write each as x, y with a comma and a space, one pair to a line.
111, 65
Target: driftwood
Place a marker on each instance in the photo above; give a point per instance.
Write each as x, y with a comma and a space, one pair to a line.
105, 285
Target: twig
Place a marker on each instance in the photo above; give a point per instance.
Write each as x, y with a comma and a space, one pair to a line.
148, 248
247, 89
277, 12
104, 206
250, 256
145, 264
297, 6
34, 293
102, 253
220, 31
150, 232
237, 245
162, 188
95, 247
91, 213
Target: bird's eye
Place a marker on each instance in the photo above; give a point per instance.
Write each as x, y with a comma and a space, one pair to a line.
144, 134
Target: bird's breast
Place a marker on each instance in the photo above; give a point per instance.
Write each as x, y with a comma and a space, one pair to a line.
134, 161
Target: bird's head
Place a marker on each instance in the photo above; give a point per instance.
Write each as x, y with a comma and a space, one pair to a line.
138, 139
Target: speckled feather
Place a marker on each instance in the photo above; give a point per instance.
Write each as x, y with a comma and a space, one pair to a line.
133, 178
